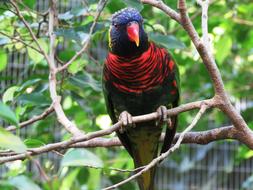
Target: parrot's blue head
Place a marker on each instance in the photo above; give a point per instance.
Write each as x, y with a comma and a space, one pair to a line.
127, 36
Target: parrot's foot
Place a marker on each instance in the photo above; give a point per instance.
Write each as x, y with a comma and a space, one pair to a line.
162, 116
127, 121
169, 124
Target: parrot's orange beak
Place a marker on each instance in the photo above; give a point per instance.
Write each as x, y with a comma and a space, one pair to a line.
133, 32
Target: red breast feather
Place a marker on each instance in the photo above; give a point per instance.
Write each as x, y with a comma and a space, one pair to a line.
140, 73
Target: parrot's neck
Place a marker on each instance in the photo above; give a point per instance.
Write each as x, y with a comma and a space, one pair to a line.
138, 74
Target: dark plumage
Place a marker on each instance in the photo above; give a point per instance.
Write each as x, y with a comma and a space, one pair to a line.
138, 78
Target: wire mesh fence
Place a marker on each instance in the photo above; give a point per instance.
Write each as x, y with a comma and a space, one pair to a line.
208, 167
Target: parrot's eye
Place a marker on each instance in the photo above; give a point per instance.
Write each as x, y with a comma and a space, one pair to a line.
116, 25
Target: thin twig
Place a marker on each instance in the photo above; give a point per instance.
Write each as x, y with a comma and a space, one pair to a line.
164, 155
160, 5
62, 118
32, 10
21, 41
202, 138
33, 119
204, 22
18, 13
115, 127
209, 61
100, 8
42, 172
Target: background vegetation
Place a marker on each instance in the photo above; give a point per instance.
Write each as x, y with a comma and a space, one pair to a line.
230, 28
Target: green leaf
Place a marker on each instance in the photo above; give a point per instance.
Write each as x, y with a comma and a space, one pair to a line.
27, 84
10, 141
73, 33
168, 41
34, 99
74, 12
65, 16
29, 3
84, 80
94, 181
33, 143
78, 11
9, 94
81, 157
223, 48
7, 114
34, 55
77, 66
134, 3
23, 183
3, 59
68, 180
66, 55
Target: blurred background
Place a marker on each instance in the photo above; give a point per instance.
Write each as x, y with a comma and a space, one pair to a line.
223, 165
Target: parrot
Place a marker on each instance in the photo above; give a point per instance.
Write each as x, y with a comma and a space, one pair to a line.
139, 77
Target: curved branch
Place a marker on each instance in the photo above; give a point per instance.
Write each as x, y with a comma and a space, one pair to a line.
62, 118
201, 137
220, 93
21, 41
164, 155
115, 127
160, 5
48, 111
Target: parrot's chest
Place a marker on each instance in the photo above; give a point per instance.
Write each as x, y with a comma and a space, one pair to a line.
140, 103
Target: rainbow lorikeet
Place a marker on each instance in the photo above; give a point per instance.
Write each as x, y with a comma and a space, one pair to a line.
139, 77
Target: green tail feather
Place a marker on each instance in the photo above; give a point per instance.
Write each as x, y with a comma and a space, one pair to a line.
146, 180
145, 149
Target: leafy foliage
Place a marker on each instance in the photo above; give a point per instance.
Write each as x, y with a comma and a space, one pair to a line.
10, 141
80, 86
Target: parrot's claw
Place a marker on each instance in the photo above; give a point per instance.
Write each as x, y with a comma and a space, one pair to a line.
127, 121
162, 115
170, 124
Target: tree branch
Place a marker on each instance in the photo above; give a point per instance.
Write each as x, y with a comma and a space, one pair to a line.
204, 22
164, 155
33, 119
220, 93
202, 138
62, 118
13, 3
115, 127
21, 41
100, 8
160, 5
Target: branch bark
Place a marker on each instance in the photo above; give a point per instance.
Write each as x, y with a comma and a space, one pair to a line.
204, 22
62, 118
115, 127
164, 155
208, 60
201, 138
21, 41
48, 111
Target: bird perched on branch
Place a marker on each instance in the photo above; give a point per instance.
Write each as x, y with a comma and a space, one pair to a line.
139, 77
